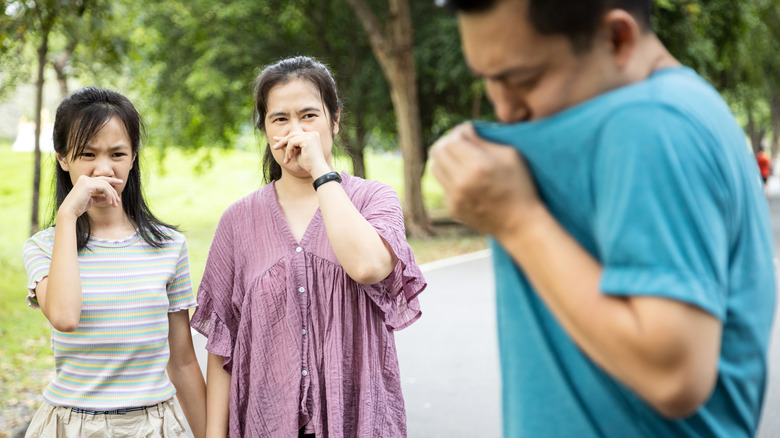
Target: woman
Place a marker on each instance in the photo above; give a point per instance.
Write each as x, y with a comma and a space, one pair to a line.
306, 280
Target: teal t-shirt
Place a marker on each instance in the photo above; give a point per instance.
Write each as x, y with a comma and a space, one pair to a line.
655, 180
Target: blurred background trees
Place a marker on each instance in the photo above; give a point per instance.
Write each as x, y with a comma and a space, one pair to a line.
735, 46
189, 65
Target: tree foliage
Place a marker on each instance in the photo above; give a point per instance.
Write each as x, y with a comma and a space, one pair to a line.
733, 45
55, 28
196, 78
190, 64
14, 34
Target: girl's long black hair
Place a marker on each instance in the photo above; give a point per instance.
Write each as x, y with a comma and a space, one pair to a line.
79, 118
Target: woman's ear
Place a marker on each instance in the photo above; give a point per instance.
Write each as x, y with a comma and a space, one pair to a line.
63, 163
336, 119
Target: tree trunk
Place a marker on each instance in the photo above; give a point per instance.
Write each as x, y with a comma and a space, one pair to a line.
355, 146
394, 52
359, 151
775, 114
359, 163
42, 52
355, 149
59, 64
755, 134
403, 92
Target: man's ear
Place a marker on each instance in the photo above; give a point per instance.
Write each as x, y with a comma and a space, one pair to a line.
624, 34
336, 119
63, 163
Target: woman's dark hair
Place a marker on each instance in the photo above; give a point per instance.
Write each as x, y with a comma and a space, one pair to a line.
298, 67
578, 20
79, 118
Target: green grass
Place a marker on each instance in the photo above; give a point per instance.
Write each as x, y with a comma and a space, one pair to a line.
26, 362
187, 190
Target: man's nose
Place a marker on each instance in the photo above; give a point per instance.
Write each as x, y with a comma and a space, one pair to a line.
509, 111
508, 106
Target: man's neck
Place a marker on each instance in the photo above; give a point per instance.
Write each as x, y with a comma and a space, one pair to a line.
650, 56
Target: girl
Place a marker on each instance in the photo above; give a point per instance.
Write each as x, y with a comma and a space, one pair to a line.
114, 283
305, 282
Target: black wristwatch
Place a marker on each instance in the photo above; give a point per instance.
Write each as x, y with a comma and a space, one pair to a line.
330, 176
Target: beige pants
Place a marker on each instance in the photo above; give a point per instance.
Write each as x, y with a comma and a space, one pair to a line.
162, 420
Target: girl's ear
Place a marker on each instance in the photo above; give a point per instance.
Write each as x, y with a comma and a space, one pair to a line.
63, 163
336, 119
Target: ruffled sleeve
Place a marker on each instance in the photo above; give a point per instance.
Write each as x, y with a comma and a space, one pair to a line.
397, 294
215, 317
36, 255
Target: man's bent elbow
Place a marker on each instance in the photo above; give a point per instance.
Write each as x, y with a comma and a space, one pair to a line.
681, 399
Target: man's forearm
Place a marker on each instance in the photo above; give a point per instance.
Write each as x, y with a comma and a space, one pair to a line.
665, 350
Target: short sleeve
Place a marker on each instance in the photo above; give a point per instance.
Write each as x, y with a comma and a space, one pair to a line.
661, 209
180, 293
36, 255
397, 294
214, 317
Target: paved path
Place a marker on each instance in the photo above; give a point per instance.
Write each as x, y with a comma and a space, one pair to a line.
770, 419
449, 358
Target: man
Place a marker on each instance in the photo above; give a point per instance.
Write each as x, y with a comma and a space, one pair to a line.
631, 243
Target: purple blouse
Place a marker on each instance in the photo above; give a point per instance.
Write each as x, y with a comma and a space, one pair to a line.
305, 344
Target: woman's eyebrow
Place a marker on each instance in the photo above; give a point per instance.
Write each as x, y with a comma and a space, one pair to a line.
274, 114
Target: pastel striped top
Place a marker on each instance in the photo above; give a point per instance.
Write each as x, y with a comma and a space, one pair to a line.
117, 356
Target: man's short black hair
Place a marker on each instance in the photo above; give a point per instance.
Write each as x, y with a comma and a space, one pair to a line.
576, 19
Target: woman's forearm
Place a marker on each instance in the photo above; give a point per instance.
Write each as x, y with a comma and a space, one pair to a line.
191, 393
217, 398
363, 254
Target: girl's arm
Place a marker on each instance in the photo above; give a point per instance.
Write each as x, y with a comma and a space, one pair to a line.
59, 294
185, 374
217, 397
62, 304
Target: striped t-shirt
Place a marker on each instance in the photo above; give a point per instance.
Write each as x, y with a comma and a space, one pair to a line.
117, 356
